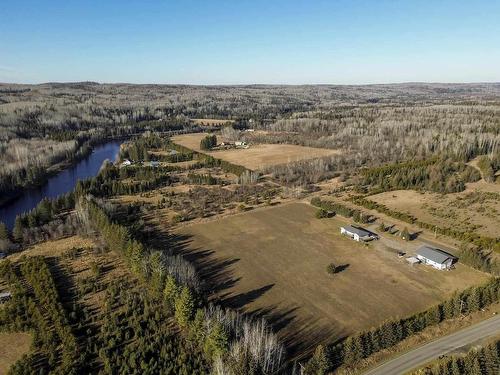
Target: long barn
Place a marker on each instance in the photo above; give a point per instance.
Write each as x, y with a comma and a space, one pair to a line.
436, 258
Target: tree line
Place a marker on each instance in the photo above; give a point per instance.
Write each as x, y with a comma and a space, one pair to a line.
216, 330
363, 344
482, 361
329, 208
437, 175
36, 306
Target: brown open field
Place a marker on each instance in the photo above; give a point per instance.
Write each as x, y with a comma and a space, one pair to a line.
273, 261
476, 209
257, 156
53, 248
12, 347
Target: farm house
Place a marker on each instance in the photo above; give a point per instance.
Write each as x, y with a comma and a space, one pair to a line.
436, 258
357, 234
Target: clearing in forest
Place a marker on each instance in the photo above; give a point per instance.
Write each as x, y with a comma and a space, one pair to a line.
259, 156
54, 248
273, 261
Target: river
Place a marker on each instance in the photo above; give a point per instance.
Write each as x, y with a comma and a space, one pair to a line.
61, 183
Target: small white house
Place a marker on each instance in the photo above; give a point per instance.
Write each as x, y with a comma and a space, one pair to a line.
126, 163
436, 258
357, 234
240, 143
5, 296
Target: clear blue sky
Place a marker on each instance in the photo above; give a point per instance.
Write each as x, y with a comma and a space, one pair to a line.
250, 41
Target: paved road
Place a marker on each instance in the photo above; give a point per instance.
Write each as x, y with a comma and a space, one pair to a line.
434, 349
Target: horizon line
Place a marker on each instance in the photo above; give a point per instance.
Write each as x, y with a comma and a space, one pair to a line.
253, 84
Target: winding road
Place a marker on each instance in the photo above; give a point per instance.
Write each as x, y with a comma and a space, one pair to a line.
420, 356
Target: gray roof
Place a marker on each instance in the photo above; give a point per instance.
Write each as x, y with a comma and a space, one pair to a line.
359, 231
436, 255
5, 294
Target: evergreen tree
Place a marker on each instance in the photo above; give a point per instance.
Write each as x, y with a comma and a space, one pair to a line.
433, 316
217, 342
318, 364
17, 232
171, 291
348, 352
4, 233
197, 330
184, 307
405, 234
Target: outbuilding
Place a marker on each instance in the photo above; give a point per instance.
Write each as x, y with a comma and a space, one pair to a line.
357, 234
5, 296
436, 258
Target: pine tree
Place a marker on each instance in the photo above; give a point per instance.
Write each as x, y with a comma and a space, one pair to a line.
474, 300
4, 233
17, 232
433, 316
318, 364
348, 354
171, 291
405, 234
197, 330
455, 368
217, 342
184, 307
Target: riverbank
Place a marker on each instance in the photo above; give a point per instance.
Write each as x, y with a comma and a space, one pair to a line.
60, 179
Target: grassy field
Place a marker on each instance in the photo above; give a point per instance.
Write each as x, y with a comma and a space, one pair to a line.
475, 209
53, 248
12, 347
273, 261
257, 156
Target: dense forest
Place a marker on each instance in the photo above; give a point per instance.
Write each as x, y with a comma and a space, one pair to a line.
370, 124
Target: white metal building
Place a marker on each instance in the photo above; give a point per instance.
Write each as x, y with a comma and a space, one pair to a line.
436, 258
357, 234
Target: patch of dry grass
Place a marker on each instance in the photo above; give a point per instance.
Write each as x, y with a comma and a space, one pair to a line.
13, 345
259, 156
53, 248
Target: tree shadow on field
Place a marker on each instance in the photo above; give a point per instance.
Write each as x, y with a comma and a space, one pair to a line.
240, 300
216, 273
300, 335
342, 267
415, 235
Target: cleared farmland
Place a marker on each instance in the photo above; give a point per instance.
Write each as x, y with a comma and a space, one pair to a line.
258, 156
475, 209
273, 262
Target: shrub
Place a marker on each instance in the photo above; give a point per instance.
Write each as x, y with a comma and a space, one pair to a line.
331, 268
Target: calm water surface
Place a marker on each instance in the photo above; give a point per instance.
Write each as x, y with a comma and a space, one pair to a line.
61, 183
